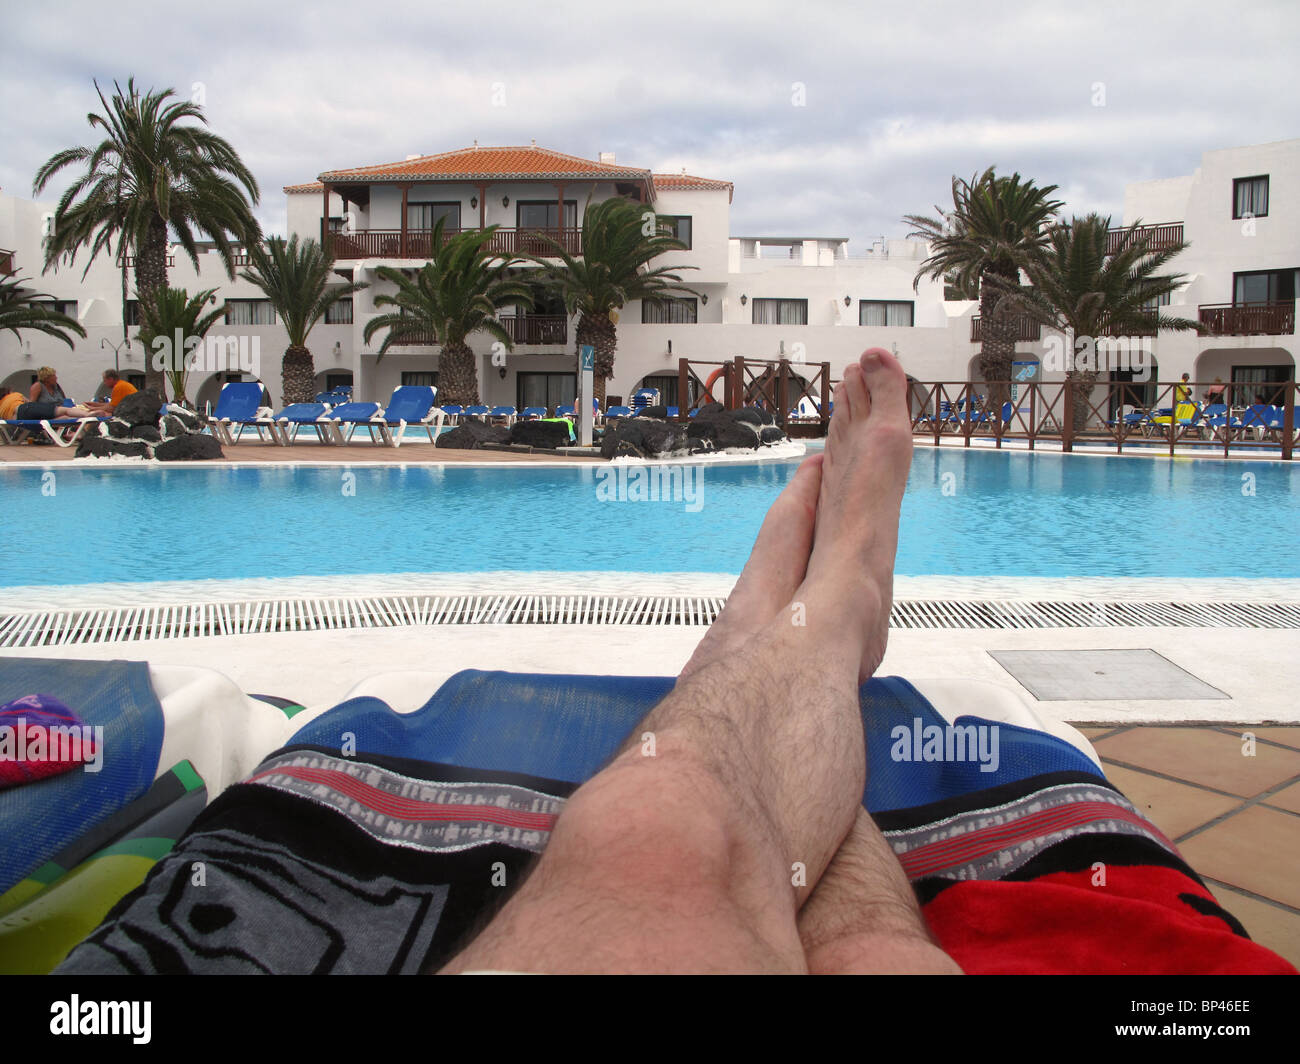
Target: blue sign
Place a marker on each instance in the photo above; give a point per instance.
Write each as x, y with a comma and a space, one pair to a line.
588, 354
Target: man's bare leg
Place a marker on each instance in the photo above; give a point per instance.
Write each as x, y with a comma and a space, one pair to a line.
863, 919
698, 857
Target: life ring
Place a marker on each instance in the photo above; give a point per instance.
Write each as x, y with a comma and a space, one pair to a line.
708, 385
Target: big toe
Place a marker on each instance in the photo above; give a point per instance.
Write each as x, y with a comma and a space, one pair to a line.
885, 381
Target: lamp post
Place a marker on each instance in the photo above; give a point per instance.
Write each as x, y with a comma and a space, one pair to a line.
117, 350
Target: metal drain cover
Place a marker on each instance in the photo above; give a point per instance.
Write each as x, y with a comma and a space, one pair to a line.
1102, 676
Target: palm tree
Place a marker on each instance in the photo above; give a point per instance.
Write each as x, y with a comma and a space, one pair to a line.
612, 270
1079, 288
151, 173
996, 224
296, 281
169, 316
458, 293
23, 308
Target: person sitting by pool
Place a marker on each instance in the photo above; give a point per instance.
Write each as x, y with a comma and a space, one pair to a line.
47, 401
1214, 393
119, 390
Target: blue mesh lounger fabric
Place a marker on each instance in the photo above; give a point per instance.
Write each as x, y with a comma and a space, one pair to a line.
567, 727
39, 819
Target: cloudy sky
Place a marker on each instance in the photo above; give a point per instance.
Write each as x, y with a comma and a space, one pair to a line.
832, 119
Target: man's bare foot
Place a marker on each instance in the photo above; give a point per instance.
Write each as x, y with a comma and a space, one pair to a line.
775, 569
868, 455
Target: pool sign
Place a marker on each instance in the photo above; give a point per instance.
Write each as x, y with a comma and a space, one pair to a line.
586, 389
1022, 372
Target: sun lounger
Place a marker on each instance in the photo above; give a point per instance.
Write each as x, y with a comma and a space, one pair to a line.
478, 410
289, 421
237, 408
508, 414
15, 431
411, 404
343, 421
532, 413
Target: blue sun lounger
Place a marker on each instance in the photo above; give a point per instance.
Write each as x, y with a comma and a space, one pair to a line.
343, 421
13, 431
237, 408
411, 404
294, 417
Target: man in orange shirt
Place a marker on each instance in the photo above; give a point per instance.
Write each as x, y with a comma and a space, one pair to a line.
120, 390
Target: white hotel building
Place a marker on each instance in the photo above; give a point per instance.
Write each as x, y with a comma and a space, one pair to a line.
764, 297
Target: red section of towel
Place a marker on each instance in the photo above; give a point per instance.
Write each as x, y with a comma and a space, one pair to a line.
1145, 920
41, 737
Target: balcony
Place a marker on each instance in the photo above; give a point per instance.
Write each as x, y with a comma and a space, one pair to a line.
542, 329
1248, 319
127, 262
1026, 329
418, 243
1158, 237
7, 263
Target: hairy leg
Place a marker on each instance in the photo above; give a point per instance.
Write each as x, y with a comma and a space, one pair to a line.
862, 918
698, 857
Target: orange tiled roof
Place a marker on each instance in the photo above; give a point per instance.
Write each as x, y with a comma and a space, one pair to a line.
310, 186
689, 181
495, 163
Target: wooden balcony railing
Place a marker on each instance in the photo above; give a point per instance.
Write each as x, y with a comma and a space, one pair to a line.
1248, 319
1026, 329
418, 243
1158, 237
549, 329
128, 261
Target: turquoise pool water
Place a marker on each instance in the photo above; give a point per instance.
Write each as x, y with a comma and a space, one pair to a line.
967, 513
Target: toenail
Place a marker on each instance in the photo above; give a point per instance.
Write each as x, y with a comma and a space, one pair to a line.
870, 359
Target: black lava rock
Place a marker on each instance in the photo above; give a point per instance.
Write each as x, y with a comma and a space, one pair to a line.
191, 447
548, 434
643, 437
471, 434
749, 414
140, 408
99, 447
659, 411
771, 434
146, 432
118, 430
711, 408
191, 421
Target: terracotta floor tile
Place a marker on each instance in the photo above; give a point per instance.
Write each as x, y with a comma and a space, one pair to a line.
1287, 798
1205, 756
1175, 808
1268, 925
1258, 850
1287, 736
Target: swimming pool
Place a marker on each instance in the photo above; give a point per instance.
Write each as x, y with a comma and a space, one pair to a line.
967, 513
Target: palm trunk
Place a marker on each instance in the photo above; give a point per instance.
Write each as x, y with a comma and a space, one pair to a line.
297, 375
458, 375
997, 340
601, 333
151, 275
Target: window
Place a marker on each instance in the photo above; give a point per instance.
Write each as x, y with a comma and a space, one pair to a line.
670, 311
545, 389
1261, 384
667, 383
132, 312
336, 223
1156, 302
134, 378
426, 215
59, 306
1250, 196
420, 377
337, 380
680, 225
884, 312
340, 313
545, 214
249, 312
780, 312
1264, 286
